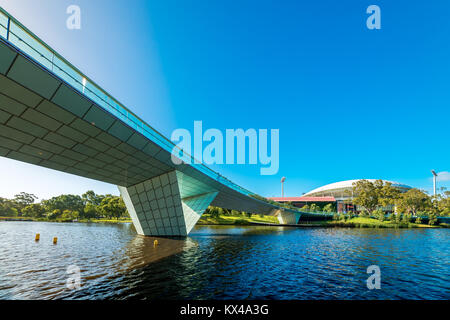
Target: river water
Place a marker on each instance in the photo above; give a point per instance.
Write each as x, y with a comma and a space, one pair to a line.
220, 262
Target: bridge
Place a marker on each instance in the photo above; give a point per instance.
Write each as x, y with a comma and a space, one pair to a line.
52, 115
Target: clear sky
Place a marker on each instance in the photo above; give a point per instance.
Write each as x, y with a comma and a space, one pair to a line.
349, 102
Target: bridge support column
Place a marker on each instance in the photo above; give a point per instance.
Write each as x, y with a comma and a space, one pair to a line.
167, 205
287, 217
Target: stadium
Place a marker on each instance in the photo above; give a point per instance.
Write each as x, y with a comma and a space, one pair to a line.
338, 193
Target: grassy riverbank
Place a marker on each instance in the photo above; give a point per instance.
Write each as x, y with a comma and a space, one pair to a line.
207, 219
362, 222
120, 220
357, 222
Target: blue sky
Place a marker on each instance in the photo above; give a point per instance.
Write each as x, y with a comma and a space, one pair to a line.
349, 102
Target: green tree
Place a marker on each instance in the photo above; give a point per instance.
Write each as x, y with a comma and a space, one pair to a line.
91, 211
92, 198
55, 214
8, 208
364, 213
379, 214
432, 219
387, 194
406, 217
366, 194
413, 200
64, 202
34, 210
328, 208
443, 204
24, 199
113, 207
70, 215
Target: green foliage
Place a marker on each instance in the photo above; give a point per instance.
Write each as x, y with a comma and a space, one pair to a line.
367, 194
24, 199
413, 200
432, 220
392, 217
213, 211
64, 207
418, 220
35, 210
443, 203
70, 215
406, 217
64, 202
8, 208
364, 214
379, 214
329, 208
54, 214
112, 207
235, 213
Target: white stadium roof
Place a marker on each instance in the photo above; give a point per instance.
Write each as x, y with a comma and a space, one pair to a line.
349, 184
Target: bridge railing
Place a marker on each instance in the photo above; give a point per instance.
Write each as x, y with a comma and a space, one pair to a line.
24, 40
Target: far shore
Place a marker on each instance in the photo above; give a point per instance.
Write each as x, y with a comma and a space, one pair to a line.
258, 220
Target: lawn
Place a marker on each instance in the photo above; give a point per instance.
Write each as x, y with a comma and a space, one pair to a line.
241, 219
364, 222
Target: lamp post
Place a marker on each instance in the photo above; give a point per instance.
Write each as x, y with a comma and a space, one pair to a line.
282, 190
434, 181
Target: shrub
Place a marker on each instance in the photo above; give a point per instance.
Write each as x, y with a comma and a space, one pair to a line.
241, 222
432, 220
406, 217
379, 214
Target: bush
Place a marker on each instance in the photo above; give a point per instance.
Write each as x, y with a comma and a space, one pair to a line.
406, 218
432, 220
54, 214
379, 214
392, 217
418, 220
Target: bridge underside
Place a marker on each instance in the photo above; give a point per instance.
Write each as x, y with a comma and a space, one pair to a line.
47, 122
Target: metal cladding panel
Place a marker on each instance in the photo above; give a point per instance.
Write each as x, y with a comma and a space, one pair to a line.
158, 208
6, 58
33, 77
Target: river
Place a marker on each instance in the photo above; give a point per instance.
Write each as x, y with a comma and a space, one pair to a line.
222, 262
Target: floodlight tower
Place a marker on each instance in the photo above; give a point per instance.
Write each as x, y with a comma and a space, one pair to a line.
434, 182
282, 190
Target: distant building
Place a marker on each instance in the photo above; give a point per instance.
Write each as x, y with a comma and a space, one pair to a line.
339, 193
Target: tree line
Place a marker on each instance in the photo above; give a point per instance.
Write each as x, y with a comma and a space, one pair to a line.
373, 196
64, 207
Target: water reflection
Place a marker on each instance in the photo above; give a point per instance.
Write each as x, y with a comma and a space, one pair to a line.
222, 262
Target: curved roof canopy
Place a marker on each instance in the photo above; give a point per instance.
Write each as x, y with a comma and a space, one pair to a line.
349, 184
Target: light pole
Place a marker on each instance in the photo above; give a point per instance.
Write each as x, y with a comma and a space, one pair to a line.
434, 181
282, 190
